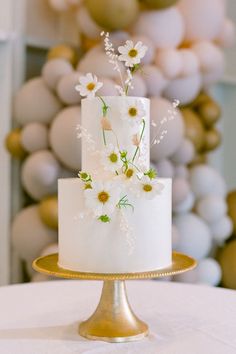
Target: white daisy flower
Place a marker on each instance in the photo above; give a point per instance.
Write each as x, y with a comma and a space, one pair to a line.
134, 112
132, 53
102, 198
111, 158
88, 86
148, 188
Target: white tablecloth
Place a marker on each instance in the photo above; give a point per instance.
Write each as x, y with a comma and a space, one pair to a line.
42, 318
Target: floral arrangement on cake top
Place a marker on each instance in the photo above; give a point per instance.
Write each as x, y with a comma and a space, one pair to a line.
129, 178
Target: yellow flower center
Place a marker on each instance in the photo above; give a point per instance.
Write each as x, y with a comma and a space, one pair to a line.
90, 86
133, 112
129, 173
147, 187
133, 53
113, 157
103, 197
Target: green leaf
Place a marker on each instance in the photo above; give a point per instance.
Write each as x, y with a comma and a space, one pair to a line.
104, 218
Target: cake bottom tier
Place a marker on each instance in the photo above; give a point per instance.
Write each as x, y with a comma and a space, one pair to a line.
88, 245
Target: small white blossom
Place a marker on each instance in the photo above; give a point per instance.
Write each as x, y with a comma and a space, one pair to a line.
134, 112
102, 198
88, 86
111, 158
147, 188
132, 53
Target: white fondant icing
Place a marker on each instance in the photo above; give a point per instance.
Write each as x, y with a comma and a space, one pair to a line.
88, 245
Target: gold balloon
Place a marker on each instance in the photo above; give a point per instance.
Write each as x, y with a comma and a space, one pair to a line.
213, 139
88, 43
231, 201
13, 144
63, 51
227, 260
194, 128
113, 14
200, 99
199, 159
159, 4
209, 112
48, 211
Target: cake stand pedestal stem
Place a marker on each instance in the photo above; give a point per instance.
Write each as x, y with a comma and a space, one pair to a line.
113, 320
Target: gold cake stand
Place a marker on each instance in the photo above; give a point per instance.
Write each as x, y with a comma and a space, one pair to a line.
113, 320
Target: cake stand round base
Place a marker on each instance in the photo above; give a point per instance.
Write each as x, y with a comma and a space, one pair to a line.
113, 320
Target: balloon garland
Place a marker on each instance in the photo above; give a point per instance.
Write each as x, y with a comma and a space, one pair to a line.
181, 63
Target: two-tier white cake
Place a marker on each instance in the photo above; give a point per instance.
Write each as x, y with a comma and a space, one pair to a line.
115, 219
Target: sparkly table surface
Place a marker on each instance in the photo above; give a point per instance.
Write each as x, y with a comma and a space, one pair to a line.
42, 318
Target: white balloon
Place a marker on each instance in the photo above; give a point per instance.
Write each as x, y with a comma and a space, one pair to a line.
195, 236
63, 137
153, 24
226, 37
186, 205
87, 25
211, 208
205, 180
49, 249
66, 89
190, 62
164, 168
203, 18
181, 171
39, 174
149, 55
154, 79
139, 87
108, 88
29, 234
185, 152
96, 61
184, 89
34, 137
222, 229
209, 55
180, 190
212, 77
207, 272
160, 109
34, 102
53, 70
118, 38
170, 62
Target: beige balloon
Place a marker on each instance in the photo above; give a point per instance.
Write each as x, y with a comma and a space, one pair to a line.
34, 137
63, 137
34, 102
54, 69
66, 88
29, 235
39, 174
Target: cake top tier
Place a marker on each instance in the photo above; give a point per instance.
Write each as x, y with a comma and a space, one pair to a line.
113, 125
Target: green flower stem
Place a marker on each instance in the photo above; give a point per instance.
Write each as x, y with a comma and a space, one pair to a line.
141, 136
105, 108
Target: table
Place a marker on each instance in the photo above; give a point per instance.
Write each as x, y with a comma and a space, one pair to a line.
42, 318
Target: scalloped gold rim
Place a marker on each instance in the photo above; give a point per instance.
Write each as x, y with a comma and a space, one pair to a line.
49, 265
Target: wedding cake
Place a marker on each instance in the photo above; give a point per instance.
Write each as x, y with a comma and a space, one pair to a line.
116, 216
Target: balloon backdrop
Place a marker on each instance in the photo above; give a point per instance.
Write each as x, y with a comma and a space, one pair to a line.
185, 39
